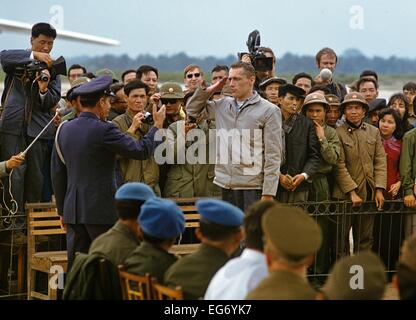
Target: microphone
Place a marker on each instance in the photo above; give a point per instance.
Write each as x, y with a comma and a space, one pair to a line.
325, 75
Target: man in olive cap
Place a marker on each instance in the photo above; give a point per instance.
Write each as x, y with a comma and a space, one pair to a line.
220, 234
161, 222
358, 277
361, 171
302, 157
291, 239
315, 107
405, 278
124, 237
333, 114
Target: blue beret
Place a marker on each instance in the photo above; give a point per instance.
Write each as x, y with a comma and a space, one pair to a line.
135, 191
220, 212
161, 218
97, 86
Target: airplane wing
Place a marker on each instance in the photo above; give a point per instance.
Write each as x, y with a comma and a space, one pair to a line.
17, 26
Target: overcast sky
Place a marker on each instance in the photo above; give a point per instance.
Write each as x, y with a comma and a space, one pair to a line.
220, 27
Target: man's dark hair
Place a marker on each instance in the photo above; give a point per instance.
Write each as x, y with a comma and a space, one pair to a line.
302, 75
407, 282
135, 84
320, 87
77, 66
398, 132
126, 73
145, 69
43, 28
323, 51
411, 86
128, 209
369, 73
362, 80
218, 68
91, 100
217, 232
252, 224
116, 87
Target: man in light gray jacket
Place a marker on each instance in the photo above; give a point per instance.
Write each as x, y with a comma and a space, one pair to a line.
249, 137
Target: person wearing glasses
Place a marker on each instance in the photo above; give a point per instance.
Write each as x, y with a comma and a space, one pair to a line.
193, 77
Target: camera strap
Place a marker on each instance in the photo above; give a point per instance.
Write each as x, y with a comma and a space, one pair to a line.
58, 148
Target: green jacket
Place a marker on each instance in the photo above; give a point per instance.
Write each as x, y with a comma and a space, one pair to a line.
190, 180
146, 171
116, 244
149, 258
330, 150
408, 162
194, 272
92, 278
283, 285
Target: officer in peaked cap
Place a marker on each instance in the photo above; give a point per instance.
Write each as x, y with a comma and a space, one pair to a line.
220, 234
369, 272
71, 108
292, 238
83, 173
124, 237
161, 222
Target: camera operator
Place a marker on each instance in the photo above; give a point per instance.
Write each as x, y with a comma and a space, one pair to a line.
27, 107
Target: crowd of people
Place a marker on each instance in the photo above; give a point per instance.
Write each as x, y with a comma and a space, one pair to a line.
277, 142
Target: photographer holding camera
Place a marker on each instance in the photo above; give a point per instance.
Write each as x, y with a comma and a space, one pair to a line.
31, 91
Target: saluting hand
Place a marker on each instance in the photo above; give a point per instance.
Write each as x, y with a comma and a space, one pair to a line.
217, 86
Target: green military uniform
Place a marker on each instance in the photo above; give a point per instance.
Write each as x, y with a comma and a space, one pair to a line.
116, 244
194, 272
291, 238
283, 285
320, 191
146, 171
149, 258
190, 180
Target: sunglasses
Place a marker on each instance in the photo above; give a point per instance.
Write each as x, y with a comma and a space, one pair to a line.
168, 101
191, 75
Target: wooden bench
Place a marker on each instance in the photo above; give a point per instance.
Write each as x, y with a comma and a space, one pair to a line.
43, 220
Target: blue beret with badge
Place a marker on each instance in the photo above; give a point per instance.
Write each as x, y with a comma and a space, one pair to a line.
96, 87
220, 212
161, 218
135, 191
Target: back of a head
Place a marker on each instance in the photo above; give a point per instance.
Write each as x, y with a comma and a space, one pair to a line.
369, 73
252, 224
291, 234
358, 277
406, 270
220, 220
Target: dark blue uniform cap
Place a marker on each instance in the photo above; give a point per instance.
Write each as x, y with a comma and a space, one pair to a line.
97, 86
135, 191
220, 212
161, 218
